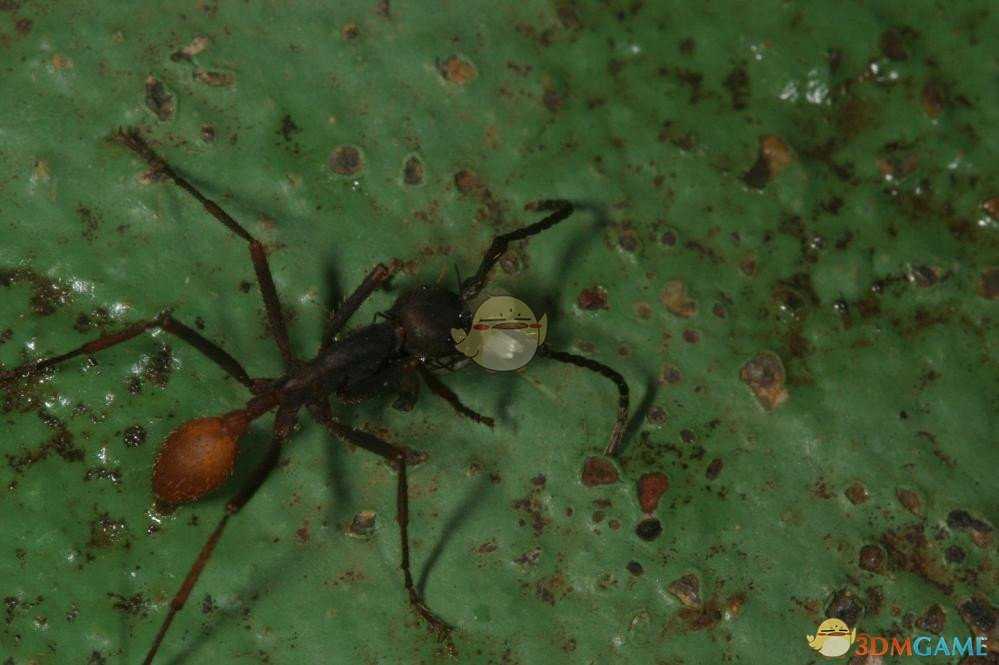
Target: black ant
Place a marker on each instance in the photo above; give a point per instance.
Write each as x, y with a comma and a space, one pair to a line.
387, 356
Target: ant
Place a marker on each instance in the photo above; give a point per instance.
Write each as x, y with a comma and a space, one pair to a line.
388, 356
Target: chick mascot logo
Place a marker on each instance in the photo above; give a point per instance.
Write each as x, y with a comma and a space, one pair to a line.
505, 334
833, 639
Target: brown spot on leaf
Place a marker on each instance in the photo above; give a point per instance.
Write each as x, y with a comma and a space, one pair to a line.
91, 222
934, 99
643, 310
134, 436
215, 79
871, 558
159, 100
533, 509
737, 83
350, 31
457, 70
61, 443
412, 171
592, 298
714, 468
980, 616
773, 157
857, 493
910, 500
61, 62
552, 99
651, 487
988, 284
135, 605
158, 368
765, 376
991, 206
933, 620
208, 605
529, 558
363, 524
845, 605
346, 160
598, 471
467, 182
687, 590
302, 532
981, 532
288, 127
552, 589
893, 43
106, 532
908, 549
674, 297
197, 45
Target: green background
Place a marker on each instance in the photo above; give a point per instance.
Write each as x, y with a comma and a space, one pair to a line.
861, 265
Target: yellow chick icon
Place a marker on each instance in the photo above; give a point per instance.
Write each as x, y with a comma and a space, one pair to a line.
505, 334
833, 639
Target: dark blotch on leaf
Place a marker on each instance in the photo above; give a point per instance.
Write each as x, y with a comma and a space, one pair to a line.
134, 436
737, 83
346, 160
651, 486
649, 529
598, 471
412, 171
846, 606
159, 100
593, 298
288, 127
933, 620
872, 558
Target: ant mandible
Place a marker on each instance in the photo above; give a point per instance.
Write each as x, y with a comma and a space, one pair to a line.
391, 355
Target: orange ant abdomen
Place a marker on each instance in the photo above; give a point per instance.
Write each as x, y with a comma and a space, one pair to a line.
197, 457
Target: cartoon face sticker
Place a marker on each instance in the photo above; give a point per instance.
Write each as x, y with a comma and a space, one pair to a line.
505, 334
833, 638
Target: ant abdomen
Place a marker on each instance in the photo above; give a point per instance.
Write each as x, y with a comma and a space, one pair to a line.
197, 457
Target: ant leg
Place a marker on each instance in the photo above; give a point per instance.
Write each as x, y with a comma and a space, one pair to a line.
561, 209
603, 370
134, 141
165, 322
439, 388
339, 317
397, 455
283, 423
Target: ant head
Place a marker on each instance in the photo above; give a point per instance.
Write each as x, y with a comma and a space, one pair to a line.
427, 314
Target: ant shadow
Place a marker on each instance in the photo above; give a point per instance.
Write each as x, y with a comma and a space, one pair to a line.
641, 412
465, 510
275, 574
